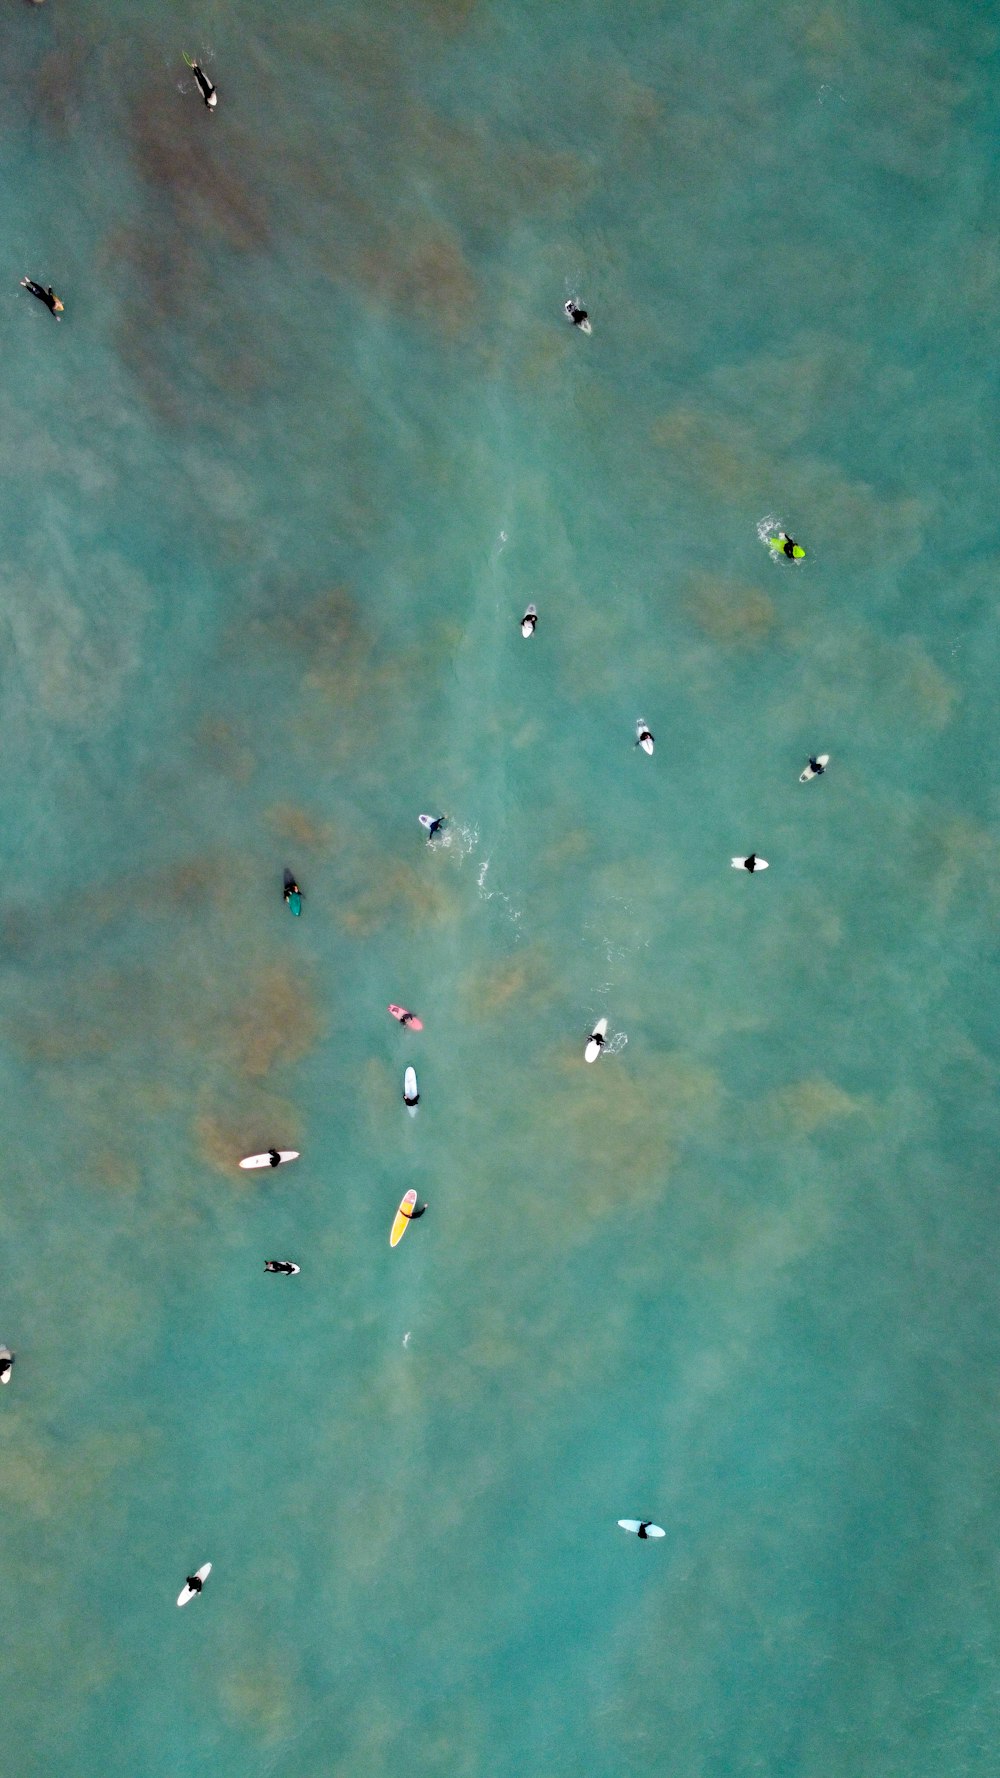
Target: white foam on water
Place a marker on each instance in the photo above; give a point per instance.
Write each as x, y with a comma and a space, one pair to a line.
457, 838
507, 907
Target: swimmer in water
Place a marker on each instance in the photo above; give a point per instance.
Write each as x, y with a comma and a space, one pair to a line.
787, 546
418, 1210
578, 316
6, 1363
45, 295
528, 622
281, 1265
815, 768
204, 85
751, 864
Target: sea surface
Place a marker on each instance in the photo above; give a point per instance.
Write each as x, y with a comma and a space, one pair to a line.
311, 434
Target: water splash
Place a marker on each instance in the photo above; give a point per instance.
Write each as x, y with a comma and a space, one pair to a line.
455, 837
512, 913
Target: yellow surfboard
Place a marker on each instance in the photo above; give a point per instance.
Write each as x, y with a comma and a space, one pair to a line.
402, 1218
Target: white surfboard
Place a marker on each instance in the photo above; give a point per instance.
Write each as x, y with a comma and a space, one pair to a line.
822, 759
266, 1160
528, 621
6, 1364
643, 738
633, 1525
187, 1593
594, 1048
758, 863
411, 1092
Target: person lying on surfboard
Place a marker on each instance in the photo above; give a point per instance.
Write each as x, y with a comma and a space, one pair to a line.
577, 315
281, 1265
292, 893
6, 1363
788, 546
409, 1019
45, 294
204, 85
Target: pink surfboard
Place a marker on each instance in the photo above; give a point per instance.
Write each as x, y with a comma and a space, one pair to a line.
412, 1022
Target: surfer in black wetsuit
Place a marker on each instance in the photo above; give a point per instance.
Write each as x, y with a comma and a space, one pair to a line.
435, 826
274, 1158
598, 1038
281, 1265
204, 85
45, 294
577, 315
642, 1529
418, 1210
195, 1582
6, 1363
644, 735
815, 767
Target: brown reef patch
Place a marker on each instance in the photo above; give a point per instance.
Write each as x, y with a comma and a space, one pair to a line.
730, 611
300, 828
239, 1122
278, 1021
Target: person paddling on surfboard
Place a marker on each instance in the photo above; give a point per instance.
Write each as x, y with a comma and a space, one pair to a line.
45, 294
408, 1019
577, 315
281, 1265
644, 737
292, 893
528, 622
432, 824
787, 546
815, 768
6, 1363
204, 85
411, 1215
754, 862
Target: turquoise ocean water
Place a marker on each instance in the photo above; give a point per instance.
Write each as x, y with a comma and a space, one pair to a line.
312, 433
